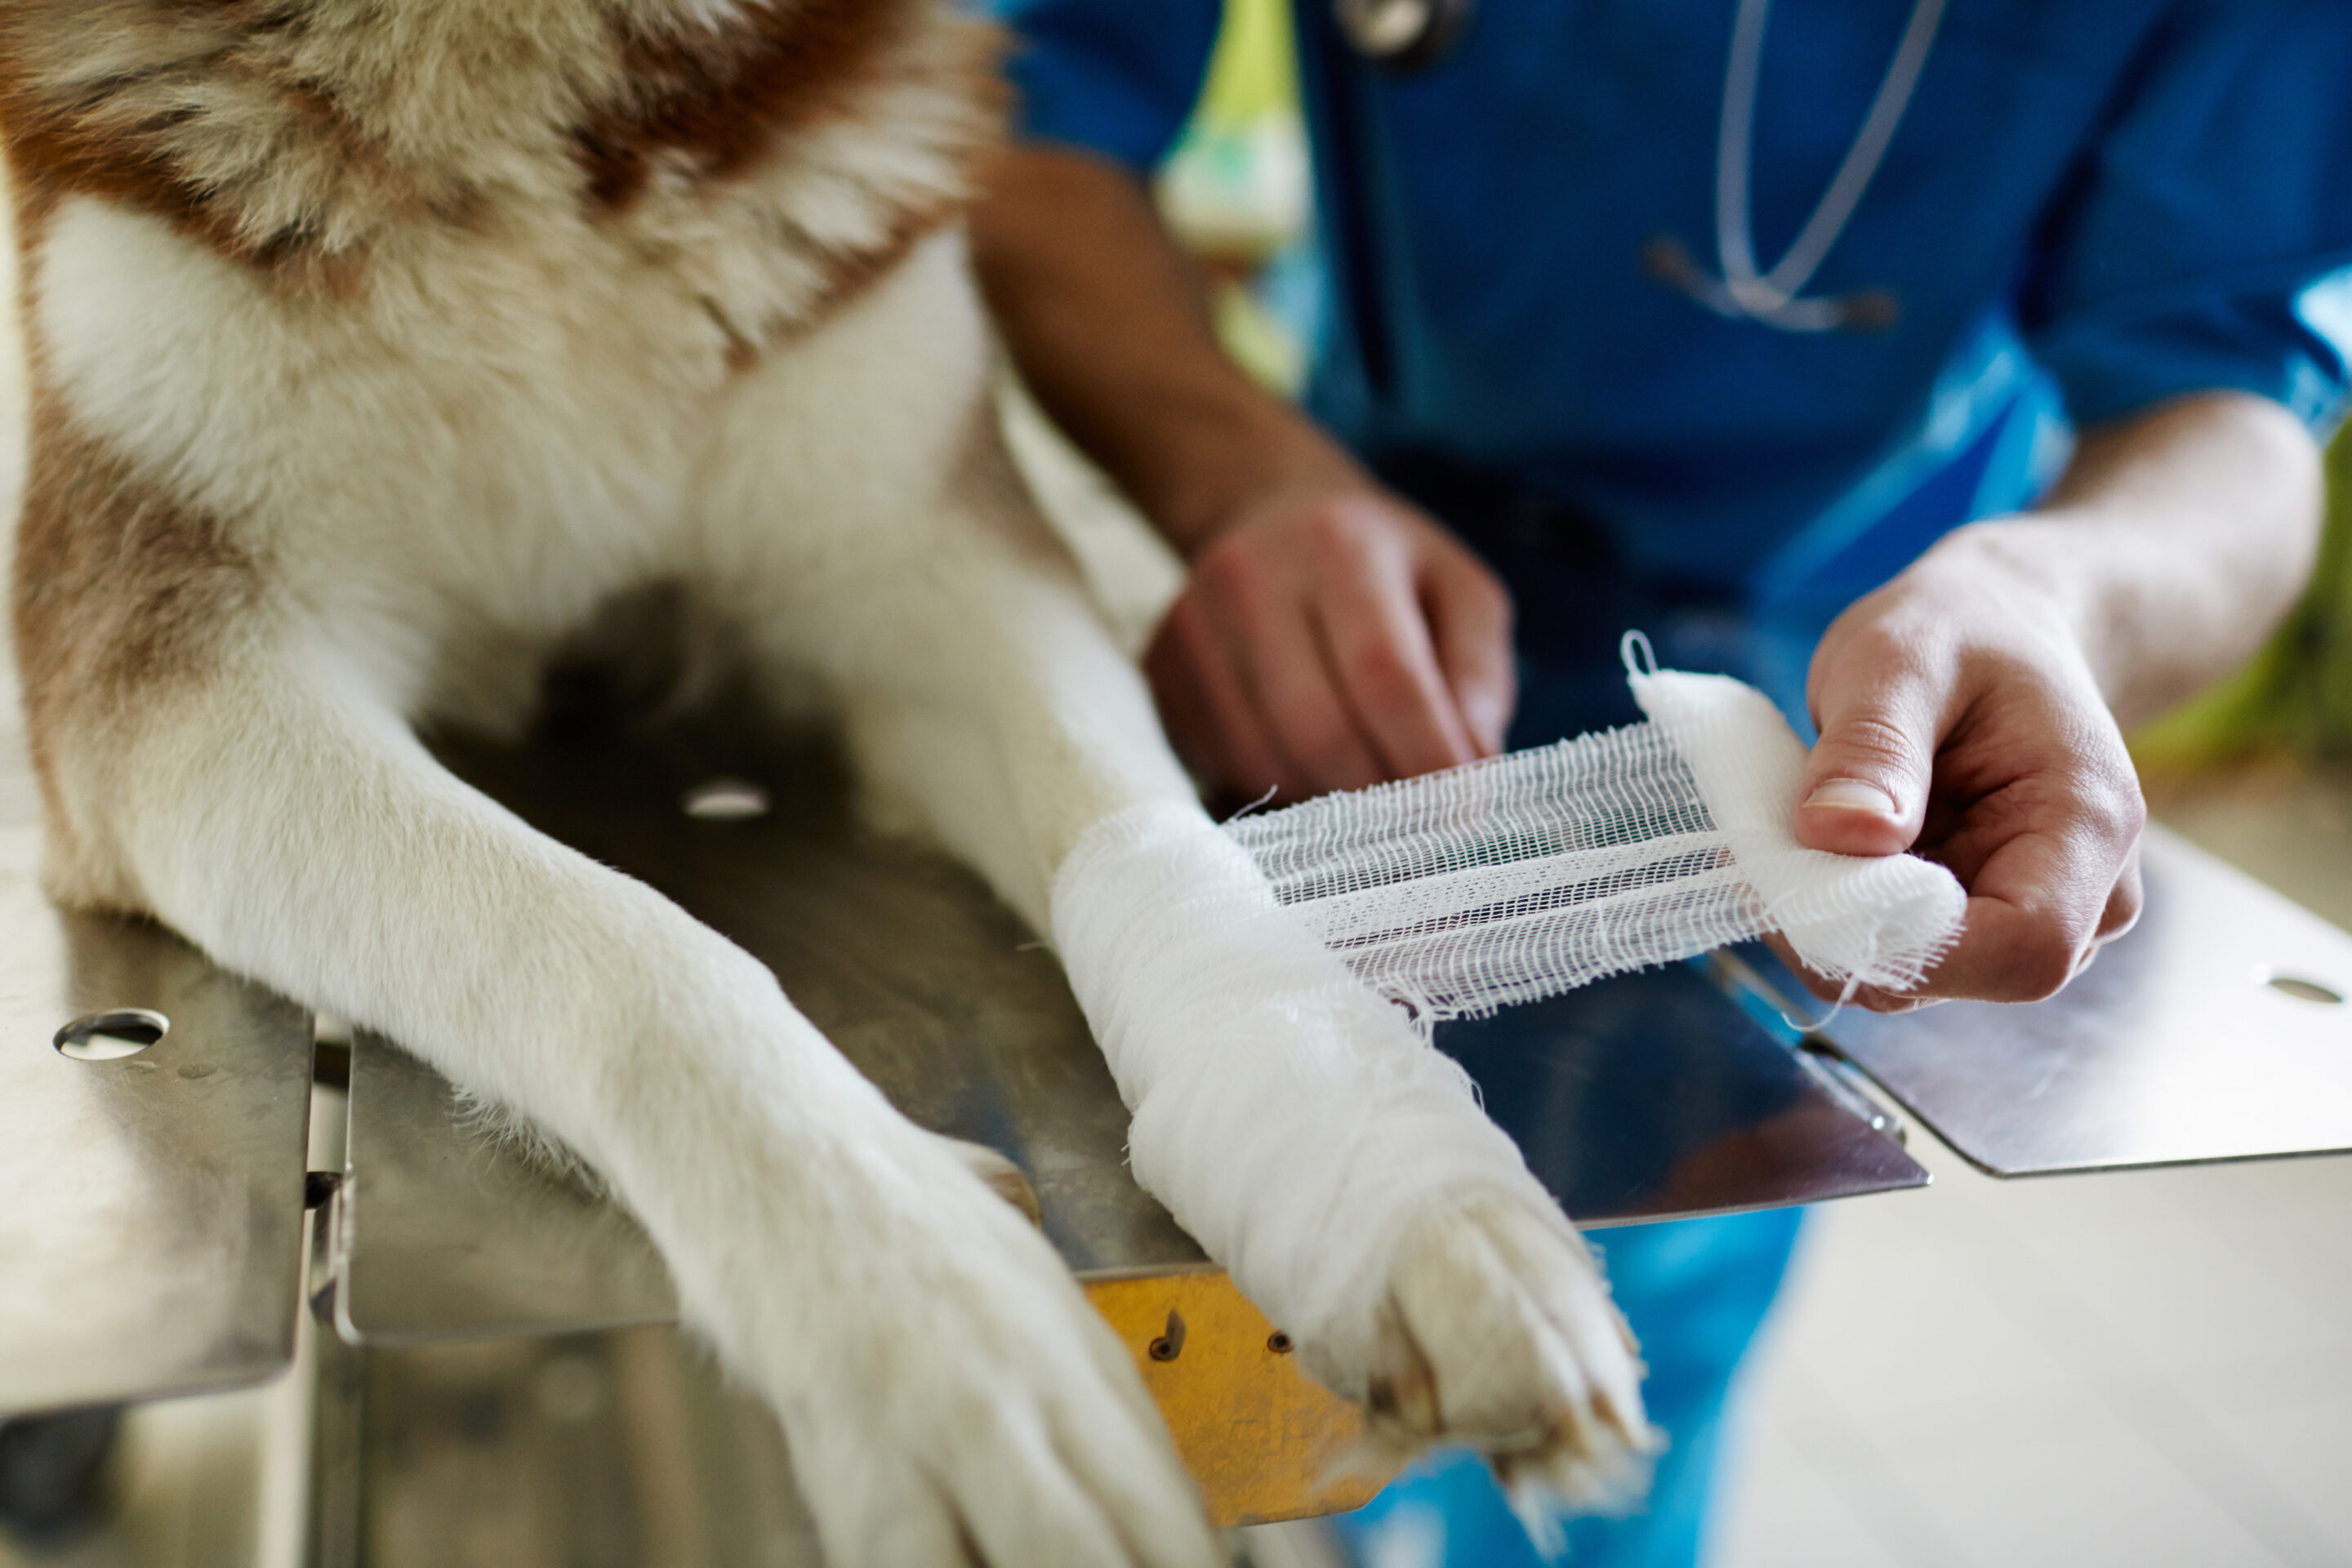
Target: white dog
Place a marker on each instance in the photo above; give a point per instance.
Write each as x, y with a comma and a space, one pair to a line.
373, 345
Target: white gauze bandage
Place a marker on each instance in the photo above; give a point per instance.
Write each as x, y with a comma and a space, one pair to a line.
1240, 980
1528, 874
1291, 1119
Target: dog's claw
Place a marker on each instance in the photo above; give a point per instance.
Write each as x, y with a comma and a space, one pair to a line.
1004, 1178
1497, 1333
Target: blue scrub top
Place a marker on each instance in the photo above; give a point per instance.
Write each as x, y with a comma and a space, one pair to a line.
2090, 206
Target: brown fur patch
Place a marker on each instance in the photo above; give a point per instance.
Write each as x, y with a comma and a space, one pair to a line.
120, 593
119, 136
729, 99
852, 274
53, 150
121, 590
722, 96
266, 130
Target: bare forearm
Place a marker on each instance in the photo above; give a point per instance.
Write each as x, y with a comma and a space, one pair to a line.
2171, 547
1108, 321
1330, 635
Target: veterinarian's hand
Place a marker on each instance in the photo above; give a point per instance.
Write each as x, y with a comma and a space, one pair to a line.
1330, 639
1959, 717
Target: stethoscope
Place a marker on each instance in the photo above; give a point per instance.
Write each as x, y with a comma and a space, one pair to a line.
1413, 35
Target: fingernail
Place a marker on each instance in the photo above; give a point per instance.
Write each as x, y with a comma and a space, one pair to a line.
1853, 794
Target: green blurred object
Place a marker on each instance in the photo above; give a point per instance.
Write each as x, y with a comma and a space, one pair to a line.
2296, 696
1255, 71
1235, 189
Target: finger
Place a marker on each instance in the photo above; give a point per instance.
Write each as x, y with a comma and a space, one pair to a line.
2053, 868
1183, 706
1820, 985
1469, 615
2124, 902
1208, 712
1269, 638
1203, 736
1378, 648
1869, 998
2034, 911
1864, 787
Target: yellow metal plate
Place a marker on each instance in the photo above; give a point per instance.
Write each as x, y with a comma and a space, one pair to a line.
1264, 1440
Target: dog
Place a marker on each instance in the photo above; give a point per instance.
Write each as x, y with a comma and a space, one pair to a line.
374, 346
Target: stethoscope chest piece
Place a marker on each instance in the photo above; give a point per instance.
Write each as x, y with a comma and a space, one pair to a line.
1401, 34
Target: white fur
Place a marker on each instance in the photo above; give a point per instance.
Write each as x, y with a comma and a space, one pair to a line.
447, 472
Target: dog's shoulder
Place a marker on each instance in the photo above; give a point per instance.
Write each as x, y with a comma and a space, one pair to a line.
300, 135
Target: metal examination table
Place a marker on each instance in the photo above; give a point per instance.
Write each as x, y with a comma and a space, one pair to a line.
483, 1347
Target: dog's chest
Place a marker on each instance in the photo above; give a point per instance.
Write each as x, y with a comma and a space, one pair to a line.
493, 417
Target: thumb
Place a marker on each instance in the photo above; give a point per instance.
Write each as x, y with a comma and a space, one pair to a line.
1865, 788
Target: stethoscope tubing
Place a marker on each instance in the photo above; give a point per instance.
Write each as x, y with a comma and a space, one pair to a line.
1775, 296
1412, 35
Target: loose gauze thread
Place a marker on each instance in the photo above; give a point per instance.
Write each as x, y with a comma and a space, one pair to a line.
1530, 874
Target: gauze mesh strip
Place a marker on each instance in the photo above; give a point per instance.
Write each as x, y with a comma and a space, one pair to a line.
1530, 874
1512, 879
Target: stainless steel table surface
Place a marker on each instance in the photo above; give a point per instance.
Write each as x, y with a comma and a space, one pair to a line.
151, 1207
2216, 1028
1637, 1099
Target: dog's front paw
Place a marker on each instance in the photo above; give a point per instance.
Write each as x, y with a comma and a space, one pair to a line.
1497, 1333
948, 1395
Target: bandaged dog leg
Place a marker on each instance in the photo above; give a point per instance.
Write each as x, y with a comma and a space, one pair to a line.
1291, 1119
1312, 1140
986, 702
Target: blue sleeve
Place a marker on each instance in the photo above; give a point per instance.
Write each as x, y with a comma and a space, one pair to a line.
1115, 77
2206, 241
